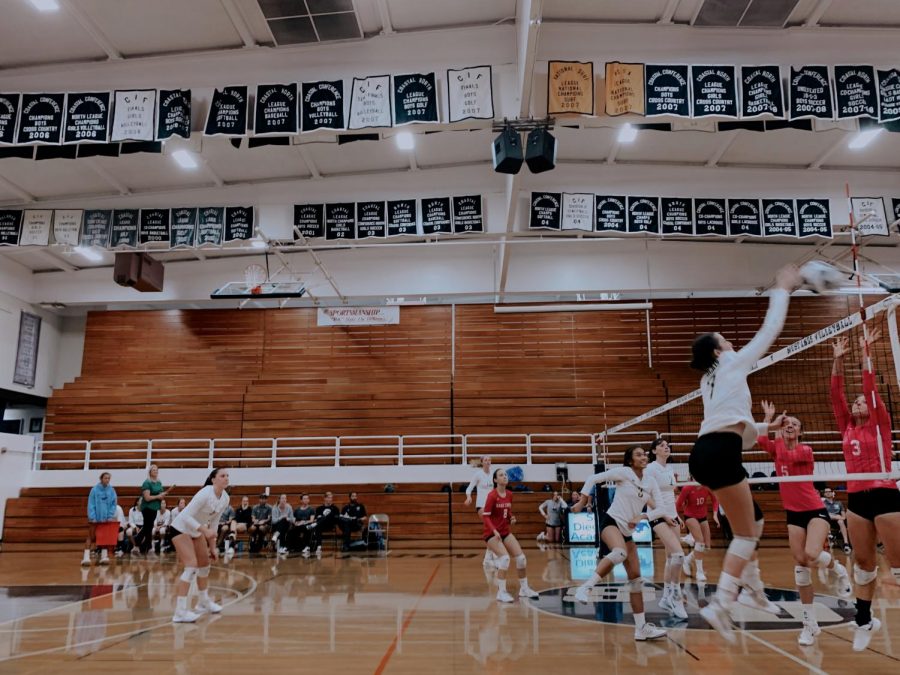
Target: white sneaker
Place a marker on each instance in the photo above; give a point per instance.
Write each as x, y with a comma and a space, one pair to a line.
808, 635
318, 550
86, 561
757, 600
678, 608
527, 592
541, 536
701, 577
104, 557
503, 596
306, 551
282, 550
648, 631
229, 554
665, 602
717, 617
862, 635
686, 567
185, 616
209, 606
120, 553
583, 595
841, 580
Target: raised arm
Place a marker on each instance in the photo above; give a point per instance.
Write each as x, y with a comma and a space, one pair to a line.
754, 350
838, 399
879, 415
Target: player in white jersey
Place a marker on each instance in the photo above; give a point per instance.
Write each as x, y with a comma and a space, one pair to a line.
193, 533
482, 482
672, 600
634, 491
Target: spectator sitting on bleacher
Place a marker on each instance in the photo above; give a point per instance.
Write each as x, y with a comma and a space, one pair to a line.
326, 518
262, 519
301, 533
101, 508
123, 523
178, 509
353, 519
243, 520
224, 526
135, 523
161, 527
282, 519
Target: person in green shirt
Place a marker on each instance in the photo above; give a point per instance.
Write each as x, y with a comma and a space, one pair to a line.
152, 493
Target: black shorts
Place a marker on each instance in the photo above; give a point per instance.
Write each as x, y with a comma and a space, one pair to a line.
875, 502
804, 518
608, 521
491, 536
701, 519
658, 521
173, 532
716, 460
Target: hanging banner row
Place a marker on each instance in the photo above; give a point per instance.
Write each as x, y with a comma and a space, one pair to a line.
745, 92
278, 109
690, 216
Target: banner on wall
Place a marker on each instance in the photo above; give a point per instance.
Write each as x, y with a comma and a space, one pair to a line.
814, 218
436, 215
9, 113
134, 116
184, 227
36, 227
371, 219
238, 223
67, 226
612, 213
155, 226
10, 227
323, 105
744, 218
370, 102
779, 217
309, 219
578, 211
415, 98
570, 88
125, 225
174, 114
467, 214
470, 93
340, 220
87, 118
402, 217
624, 86
96, 228
27, 350
889, 95
895, 203
227, 114
714, 91
210, 225
666, 91
357, 316
869, 215
810, 93
761, 92
856, 91
276, 109
643, 214
41, 119
676, 215
546, 210
711, 217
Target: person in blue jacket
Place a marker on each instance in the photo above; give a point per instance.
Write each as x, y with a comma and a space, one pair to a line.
101, 508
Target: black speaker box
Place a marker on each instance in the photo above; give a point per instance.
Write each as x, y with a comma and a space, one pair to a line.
139, 271
507, 151
540, 151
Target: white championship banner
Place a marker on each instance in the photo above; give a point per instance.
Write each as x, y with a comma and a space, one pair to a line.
358, 316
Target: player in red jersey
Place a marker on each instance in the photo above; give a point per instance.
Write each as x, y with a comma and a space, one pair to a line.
807, 520
693, 501
497, 516
873, 505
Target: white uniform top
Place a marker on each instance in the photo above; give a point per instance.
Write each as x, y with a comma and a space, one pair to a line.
483, 483
726, 396
135, 517
163, 519
120, 516
665, 481
204, 509
632, 494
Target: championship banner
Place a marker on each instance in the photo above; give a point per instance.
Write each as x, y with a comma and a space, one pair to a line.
184, 227
25, 370
276, 109
470, 94
402, 217
96, 228
855, 91
677, 215
643, 214
436, 215
744, 218
467, 214
357, 316
154, 226
238, 223
415, 98
895, 203
134, 116
210, 225
611, 213
36, 225
309, 219
570, 88
67, 226
666, 91
125, 223
578, 211
868, 215
814, 217
340, 220
323, 105
810, 93
711, 217
174, 114
715, 91
10, 227
9, 113
761, 92
41, 119
370, 102
227, 114
546, 210
87, 118
888, 95
779, 218
624, 86
371, 219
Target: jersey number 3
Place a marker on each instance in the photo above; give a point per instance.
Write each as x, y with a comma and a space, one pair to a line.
855, 450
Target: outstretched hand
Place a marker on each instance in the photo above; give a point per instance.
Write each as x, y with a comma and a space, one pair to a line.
874, 336
768, 411
840, 347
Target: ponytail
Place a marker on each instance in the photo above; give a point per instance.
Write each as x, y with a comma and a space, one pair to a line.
212, 475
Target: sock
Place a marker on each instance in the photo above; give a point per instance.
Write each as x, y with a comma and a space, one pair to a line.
228, 544
690, 558
639, 620
699, 564
727, 589
204, 595
87, 554
809, 615
501, 584
750, 576
863, 612
824, 559
523, 583
181, 603
592, 581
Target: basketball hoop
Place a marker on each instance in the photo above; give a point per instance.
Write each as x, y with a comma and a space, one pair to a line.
254, 276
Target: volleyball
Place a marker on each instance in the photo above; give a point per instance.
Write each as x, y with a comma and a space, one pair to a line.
819, 276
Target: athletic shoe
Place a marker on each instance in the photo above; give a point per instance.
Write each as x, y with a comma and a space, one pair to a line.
701, 577
503, 596
678, 609
185, 616
717, 617
808, 635
528, 593
862, 635
847, 550
104, 558
841, 580
86, 561
648, 631
305, 551
583, 595
318, 550
229, 554
665, 602
119, 554
209, 606
686, 567
282, 550
757, 600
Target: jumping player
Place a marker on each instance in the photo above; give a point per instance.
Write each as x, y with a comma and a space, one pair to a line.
693, 502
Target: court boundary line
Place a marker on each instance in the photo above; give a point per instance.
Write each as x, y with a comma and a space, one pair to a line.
796, 659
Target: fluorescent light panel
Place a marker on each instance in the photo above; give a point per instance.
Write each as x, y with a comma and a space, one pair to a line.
627, 133
89, 253
45, 5
185, 159
863, 138
405, 140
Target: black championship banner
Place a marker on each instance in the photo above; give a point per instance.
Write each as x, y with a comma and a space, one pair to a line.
210, 225
228, 112
470, 94
125, 228
779, 218
810, 93
9, 113
155, 227
814, 217
67, 226
643, 214
677, 215
41, 119
744, 218
96, 228
87, 118
370, 102
546, 210
666, 91
856, 92
761, 92
467, 214
436, 215
415, 98
578, 211
371, 219
323, 105
340, 220
309, 219
711, 217
889, 95
402, 217
134, 116
611, 213
714, 90
25, 369
174, 114
36, 226
276, 109
895, 206
10, 226
184, 227
238, 223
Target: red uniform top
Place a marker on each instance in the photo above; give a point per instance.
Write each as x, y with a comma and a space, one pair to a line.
496, 513
693, 501
796, 462
861, 443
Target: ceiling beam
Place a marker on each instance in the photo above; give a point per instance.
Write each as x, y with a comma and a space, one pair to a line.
387, 26
816, 14
829, 151
91, 29
107, 176
669, 11
240, 25
309, 161
26, 197
727, 142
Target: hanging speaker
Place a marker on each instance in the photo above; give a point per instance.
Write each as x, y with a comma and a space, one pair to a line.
540, 151
507, 151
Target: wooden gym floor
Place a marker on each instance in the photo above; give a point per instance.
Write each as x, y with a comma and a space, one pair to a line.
412, 611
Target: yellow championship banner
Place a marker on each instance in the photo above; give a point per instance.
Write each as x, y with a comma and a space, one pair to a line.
570, 88
624, 88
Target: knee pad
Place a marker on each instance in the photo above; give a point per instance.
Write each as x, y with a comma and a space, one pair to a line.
823, 559
203, 572
802, 575
520, 561
635, 585
617, 556
676, 559
743, 547
503, 562
188, 575
699, 547
864, 577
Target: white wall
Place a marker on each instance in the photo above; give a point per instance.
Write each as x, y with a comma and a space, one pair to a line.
11, 309
15, 468
26, 413
70, 351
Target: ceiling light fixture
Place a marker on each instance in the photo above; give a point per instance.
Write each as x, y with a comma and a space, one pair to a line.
185, 159
258, 243
405, 140
45, 5
627, 133
88, 253
863, 138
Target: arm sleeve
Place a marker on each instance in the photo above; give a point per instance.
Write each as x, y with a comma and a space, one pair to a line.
472, 484
612, 474
754, 350
839, 403
115, 500
92, 506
